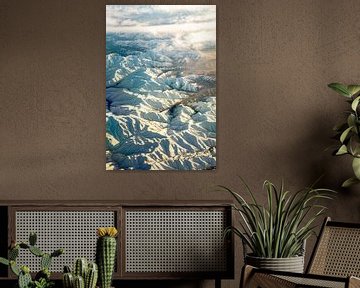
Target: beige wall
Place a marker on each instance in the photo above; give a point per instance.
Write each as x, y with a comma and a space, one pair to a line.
275, 113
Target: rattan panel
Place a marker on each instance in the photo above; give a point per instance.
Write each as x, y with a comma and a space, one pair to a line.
175, 241
313, 282
75, 231
259, 280
338, 253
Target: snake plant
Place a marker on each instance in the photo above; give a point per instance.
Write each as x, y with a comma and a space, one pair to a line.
348, 132
279, 228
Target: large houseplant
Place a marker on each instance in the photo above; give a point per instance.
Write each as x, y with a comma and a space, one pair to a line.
348, 132
276, 233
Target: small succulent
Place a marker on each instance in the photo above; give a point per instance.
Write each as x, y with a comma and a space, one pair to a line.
42, 283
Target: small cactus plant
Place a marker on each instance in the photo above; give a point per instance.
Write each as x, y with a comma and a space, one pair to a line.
85, 275
79, 282
81, 267
42, 278
68, 278
25, 279
106, 254
91, 276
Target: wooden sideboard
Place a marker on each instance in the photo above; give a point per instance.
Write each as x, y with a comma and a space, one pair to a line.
157, 240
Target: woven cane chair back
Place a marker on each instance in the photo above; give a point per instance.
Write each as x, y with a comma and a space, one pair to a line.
338, 251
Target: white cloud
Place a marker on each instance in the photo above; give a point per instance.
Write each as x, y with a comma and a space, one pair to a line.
169, 19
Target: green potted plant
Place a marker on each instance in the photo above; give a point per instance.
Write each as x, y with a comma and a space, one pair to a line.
348, 132
84, 274
276, 233
106, 254
42, 278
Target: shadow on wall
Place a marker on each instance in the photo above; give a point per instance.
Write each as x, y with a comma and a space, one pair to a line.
310, 155
311, 159
335, 170
332, 170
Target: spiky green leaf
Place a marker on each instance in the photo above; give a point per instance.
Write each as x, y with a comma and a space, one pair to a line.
280, 228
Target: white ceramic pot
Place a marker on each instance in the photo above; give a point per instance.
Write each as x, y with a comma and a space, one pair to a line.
291, 264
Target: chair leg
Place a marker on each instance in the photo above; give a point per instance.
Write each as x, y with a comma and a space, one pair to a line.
217, 283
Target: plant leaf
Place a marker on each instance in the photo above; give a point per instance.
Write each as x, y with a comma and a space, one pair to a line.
248, 190
353, 89
355, 103
279, 228
14, 268
349, 182
340, 88
351, 120
354, 145
342, 150
356, 167
345, 134
4, 261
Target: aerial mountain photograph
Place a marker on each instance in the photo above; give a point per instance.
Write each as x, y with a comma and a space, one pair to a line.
160, 87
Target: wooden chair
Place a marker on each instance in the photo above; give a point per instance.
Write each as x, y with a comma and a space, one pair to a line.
335, 262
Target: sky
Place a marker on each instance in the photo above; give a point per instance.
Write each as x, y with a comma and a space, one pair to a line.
193, 23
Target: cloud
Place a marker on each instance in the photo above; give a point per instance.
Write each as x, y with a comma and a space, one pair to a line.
170, 19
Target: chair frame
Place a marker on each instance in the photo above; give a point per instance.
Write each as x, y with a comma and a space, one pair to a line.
268, 279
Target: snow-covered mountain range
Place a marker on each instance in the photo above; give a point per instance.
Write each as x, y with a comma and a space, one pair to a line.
160, 103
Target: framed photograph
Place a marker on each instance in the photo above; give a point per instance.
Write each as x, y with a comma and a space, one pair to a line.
160, 87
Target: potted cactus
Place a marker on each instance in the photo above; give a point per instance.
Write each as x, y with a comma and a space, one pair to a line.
106, 254
42, 278
85, 275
